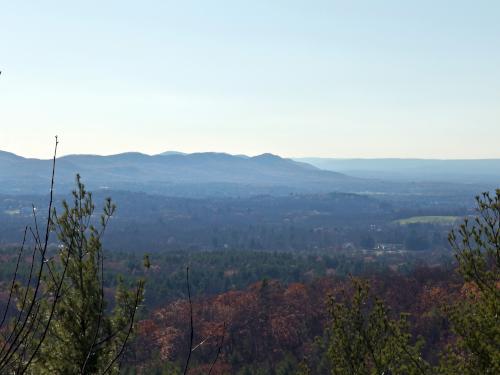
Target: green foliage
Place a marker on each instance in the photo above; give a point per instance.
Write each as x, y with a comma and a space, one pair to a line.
86, 336
476, 319
364, 339
303, 369
286, 366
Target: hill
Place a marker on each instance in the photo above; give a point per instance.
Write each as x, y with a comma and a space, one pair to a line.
211, 174
177, 174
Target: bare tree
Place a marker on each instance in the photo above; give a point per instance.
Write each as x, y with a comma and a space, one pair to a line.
22, 337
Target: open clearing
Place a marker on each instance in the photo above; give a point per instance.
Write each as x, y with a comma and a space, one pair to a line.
444, 220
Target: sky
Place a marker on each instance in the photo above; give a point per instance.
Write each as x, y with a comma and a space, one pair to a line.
386, 78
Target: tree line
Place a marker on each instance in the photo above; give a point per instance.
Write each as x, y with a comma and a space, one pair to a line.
61, 319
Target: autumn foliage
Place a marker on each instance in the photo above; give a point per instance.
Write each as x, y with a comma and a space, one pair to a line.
271, 324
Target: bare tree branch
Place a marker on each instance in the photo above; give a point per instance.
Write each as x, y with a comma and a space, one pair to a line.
219, 349
191, 333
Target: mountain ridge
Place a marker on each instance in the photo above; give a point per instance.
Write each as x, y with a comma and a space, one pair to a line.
221, 173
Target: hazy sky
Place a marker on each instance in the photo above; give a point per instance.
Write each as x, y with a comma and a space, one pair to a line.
295, 78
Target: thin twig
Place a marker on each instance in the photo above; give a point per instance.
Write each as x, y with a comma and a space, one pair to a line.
191, 335
219, 349
21, 328
132, 318
12, 286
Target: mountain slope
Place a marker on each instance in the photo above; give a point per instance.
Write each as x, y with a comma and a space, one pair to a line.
175, 174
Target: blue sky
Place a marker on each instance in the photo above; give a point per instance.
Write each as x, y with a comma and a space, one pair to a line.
295, 78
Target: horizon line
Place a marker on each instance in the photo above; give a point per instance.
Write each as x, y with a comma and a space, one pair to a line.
299, 158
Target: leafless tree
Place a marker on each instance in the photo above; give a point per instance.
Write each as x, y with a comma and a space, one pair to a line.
22, 336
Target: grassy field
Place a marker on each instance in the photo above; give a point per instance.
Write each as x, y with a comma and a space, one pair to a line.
443, 220
12, 212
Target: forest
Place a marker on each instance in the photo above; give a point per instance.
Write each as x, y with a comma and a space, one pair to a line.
426, 306
155, 224
336, 283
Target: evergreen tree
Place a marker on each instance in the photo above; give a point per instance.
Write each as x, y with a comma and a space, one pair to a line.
475, 320
86, 335
363, 339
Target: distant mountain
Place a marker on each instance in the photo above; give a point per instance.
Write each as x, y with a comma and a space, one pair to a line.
5, 156
178, 174
166, 153
219, 174
472, 171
